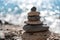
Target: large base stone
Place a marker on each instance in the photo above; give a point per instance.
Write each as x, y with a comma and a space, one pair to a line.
35, 28
36, 36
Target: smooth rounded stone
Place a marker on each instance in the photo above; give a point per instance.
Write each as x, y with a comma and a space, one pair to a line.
35, 28
34, 18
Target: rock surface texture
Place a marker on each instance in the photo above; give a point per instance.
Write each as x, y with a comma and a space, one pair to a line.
36, 36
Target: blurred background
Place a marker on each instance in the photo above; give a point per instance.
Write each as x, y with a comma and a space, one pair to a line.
15, 11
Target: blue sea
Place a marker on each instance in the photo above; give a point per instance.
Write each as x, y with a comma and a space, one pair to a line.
15, 11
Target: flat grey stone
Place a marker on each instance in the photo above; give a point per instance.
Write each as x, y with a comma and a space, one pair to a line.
35, 28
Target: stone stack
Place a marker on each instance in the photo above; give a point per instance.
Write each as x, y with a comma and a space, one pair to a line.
34, 26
